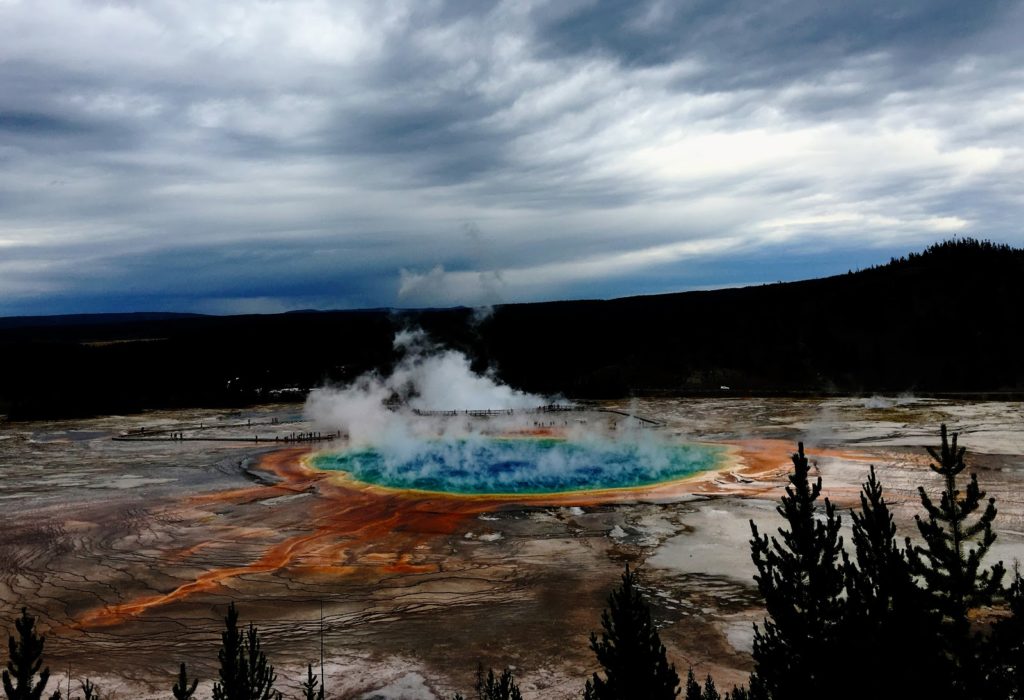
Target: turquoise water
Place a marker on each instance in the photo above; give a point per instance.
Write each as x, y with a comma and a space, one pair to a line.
520, 465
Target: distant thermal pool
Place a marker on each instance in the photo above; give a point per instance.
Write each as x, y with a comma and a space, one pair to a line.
497, 465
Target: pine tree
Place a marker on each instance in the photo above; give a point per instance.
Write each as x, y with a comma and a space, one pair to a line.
232, 661
182, 689
951, 569
710, 691
692, 691
888, 625
881, 575
630, 650
795, 654
502, 687
311, 688
244, 672
24, 661
261, 677
491, 687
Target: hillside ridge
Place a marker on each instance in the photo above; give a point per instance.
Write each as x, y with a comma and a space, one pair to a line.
943, 320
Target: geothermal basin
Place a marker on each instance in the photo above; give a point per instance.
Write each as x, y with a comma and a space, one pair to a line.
424, 562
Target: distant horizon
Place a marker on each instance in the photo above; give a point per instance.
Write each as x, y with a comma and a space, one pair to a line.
128, 311
170, 311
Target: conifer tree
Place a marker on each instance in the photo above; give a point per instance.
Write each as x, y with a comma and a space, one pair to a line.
232, 661
795, 654
951, 568
738, 693
24, 661
182, 689
244, 672
692, 691
502, 687
888, 625
881, 575
311, 688
630, 650
261, 677
491, 687
710, 691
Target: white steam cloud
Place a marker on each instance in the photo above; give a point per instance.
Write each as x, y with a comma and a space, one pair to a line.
431, 379
381, 410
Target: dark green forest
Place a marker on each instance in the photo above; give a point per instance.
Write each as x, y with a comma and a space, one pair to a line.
886, 617
942, 321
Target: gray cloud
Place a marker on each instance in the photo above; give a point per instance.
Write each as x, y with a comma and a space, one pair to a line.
249, 155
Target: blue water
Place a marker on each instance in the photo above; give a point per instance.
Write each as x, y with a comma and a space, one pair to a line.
521, 465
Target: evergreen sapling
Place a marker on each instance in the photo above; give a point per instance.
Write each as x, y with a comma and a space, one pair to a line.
950, 567
244, 671
801, 582
182, 690
888, 626
311, 687
955, 581
491, 687
630, 651
24, 661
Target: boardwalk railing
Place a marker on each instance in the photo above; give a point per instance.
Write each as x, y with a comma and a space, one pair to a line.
188, 433
482, 412
550, 408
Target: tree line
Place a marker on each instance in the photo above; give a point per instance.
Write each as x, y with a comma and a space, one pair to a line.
884, 618
854, 333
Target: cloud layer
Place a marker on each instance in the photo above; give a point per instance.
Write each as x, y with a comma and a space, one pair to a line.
256, 156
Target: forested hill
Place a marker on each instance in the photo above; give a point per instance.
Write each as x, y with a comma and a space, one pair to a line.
945, 320
949, 319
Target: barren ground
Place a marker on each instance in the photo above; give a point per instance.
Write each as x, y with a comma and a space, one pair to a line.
130, 551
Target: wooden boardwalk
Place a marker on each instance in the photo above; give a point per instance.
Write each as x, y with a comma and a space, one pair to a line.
187, 434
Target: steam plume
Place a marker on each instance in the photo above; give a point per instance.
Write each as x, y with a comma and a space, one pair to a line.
381, 410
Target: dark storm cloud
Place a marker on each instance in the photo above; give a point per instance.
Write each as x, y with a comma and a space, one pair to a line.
244, 155
44, 125
779, 41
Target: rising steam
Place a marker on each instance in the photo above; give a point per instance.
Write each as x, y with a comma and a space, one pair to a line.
379, 410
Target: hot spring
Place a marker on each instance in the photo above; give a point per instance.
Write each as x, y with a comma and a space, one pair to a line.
485, 465
435, 425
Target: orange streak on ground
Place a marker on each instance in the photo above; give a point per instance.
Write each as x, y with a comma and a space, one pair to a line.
767, 464
349, 527
355, 526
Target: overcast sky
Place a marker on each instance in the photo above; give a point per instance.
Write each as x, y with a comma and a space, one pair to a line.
244, 156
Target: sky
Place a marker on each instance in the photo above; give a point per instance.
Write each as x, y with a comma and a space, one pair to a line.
247, 156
